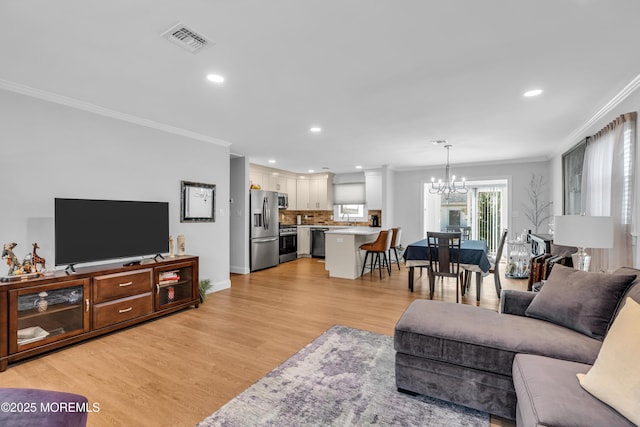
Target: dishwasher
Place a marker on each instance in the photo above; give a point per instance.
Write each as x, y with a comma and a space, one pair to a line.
317, 242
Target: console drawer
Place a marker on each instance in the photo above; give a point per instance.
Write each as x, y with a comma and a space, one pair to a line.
119, 285
110, 313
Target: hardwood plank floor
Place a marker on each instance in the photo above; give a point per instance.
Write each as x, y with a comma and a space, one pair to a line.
177, 370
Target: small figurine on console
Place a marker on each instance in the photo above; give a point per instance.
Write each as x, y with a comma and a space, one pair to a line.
12, 259
37, 259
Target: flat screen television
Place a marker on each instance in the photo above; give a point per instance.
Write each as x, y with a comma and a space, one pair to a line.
96, 230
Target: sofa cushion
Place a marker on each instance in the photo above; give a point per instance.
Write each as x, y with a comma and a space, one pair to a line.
582, 301
614, 377
482, 339
35, 407
549, 395
634, 289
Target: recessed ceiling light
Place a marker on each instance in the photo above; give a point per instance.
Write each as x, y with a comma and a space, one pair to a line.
271, 161
215, 78
358, 167
533, 92
311, 171
315, 129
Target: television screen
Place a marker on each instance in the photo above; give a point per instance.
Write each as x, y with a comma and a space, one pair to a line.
96, 230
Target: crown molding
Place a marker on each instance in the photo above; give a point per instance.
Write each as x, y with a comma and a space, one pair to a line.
578, 134
96, 109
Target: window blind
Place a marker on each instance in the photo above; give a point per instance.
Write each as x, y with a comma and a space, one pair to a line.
349, 194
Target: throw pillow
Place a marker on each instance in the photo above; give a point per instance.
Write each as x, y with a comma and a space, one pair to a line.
579, 300
614, 377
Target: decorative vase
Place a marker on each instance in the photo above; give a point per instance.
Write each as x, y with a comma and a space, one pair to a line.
42, 302
181, 244
171, 254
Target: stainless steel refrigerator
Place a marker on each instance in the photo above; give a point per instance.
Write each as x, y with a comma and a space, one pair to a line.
264, 229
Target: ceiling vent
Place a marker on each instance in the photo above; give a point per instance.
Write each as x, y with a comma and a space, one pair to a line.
187, 38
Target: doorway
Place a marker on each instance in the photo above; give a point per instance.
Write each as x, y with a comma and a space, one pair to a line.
480, 214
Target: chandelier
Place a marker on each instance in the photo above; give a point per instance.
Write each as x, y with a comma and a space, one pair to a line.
449, 185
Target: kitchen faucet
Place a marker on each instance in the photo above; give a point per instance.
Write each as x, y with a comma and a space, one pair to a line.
348, 218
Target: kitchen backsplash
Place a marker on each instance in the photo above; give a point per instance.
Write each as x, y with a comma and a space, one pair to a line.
320, 218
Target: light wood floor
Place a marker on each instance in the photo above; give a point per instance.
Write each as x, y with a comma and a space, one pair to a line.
177, 370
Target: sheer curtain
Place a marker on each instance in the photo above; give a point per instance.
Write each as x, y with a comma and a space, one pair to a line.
607, 185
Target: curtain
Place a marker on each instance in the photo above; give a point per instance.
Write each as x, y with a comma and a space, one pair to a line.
607, 183
349, 194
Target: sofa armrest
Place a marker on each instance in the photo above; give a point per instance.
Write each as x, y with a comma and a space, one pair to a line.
515, 302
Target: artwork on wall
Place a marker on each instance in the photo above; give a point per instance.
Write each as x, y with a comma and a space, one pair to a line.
197, 202
572, 163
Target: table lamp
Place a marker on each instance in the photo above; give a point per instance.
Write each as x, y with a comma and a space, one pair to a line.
583, 232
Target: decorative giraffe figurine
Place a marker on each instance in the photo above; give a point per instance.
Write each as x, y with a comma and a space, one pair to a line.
37, 259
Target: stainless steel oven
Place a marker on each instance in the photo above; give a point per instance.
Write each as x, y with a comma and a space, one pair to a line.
288, 242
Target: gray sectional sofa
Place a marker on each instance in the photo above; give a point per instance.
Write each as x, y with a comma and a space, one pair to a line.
521, 362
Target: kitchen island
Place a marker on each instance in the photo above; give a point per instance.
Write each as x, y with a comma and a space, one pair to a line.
343, 257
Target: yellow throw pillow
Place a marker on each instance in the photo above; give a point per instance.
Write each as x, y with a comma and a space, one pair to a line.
614, 377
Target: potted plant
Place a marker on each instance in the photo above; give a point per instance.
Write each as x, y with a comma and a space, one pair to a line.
204, 285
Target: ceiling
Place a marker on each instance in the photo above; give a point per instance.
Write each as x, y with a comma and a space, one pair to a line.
382, 78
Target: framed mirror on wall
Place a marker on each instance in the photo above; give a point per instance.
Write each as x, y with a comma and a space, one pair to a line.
197, 202
572, 163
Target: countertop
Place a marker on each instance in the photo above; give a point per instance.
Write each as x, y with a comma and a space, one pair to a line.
355, 230
336, 227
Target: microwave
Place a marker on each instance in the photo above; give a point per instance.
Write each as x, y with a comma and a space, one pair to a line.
283, 201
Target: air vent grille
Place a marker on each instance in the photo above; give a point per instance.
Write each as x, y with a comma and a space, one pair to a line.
186, 37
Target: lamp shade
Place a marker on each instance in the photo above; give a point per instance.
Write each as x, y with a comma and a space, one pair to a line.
583, 231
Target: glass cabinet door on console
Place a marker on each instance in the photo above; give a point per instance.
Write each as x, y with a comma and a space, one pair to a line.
174, 285
43, 314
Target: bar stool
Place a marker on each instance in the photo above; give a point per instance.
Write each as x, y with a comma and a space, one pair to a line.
381, 246
395, 244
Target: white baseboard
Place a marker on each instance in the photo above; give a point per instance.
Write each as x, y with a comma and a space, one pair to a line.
219, 286
239, 270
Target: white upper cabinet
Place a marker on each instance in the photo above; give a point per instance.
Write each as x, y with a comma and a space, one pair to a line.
272, 179
374, 191
314, 192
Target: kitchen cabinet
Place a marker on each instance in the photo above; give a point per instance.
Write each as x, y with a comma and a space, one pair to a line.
304, 241
270, 179
292, 192
278, 183
259, 178
314, 193
374, 191
302, 195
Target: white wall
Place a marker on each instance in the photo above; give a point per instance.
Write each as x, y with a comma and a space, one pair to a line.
407, 190
50, 150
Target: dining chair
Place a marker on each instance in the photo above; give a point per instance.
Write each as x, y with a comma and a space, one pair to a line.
465, 232
444, 258
495, 262
395, 244
495, 269
380, 246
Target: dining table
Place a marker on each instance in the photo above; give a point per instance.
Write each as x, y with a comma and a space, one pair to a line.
473, 258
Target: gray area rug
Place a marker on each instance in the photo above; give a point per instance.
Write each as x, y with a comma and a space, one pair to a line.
345, 377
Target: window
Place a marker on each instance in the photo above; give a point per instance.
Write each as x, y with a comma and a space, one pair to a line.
349, 213
479, 214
